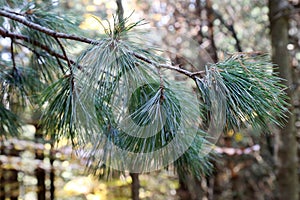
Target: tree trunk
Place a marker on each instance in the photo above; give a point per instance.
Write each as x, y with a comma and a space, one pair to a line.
52, 174
190, 188
12, 177
135, 186
210, 19
287, 179
39, 172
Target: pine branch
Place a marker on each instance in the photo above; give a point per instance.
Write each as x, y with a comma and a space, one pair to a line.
120, 13
39, 54
65, 55
121, 75
55, 34
13, 54
45, 30
5, 33
192, 75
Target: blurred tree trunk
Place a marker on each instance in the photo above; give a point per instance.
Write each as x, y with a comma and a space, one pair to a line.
12, 177
287, 179
135, 186
190, 188
39, 155
210, 20
52, 173
40, 172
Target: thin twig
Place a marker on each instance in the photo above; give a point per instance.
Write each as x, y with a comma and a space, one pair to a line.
60, 64
13, 54
4, 33
120, 13
171, 67
181, 57
13, 12
162, 86
38, 54
65, 54
45, 30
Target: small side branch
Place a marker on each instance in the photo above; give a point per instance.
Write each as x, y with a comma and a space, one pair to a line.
192, 75
120, 13
5, 33
65, 54
13, 54
45, 30
38, 54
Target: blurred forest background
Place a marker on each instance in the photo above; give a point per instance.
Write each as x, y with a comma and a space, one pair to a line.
249, 166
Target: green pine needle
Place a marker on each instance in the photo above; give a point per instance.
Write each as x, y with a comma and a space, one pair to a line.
117, 106
9, 123
254, 94
58, 117
132, 96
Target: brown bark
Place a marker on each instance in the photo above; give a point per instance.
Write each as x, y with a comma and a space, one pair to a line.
135, 186
52, 174
190, 188
287, 178
120, 12
210, 18
39, 172
12, 178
